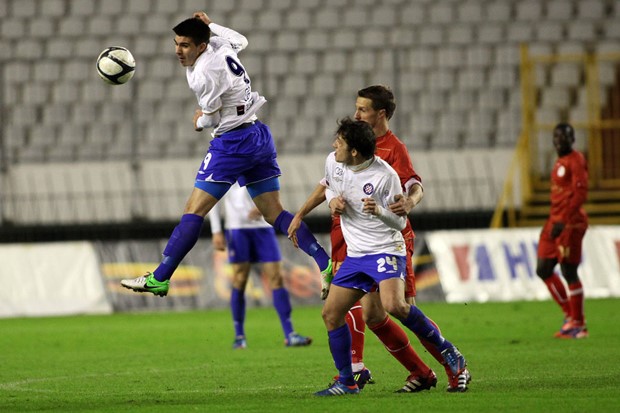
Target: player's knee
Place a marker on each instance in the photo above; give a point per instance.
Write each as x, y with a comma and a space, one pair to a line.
398, 309
331, 319
374, 318
544, 270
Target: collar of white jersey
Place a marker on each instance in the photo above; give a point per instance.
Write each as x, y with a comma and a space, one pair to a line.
362, 166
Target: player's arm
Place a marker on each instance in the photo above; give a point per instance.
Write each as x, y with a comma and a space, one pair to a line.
204, 120
236, 40
316, 198
219, 241
384, 213
410, 181
579, 189
579, 194
405, 203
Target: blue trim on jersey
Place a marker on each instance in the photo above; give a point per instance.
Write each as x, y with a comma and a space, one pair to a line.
216, 189
268, 185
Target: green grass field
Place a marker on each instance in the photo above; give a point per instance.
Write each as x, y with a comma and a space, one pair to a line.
175, 362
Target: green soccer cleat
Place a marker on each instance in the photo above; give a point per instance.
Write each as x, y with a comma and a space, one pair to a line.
147, 283
327, 276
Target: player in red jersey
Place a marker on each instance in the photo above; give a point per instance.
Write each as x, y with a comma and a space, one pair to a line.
375, 105
561, 237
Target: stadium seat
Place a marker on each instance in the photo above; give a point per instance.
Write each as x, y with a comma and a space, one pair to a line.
503, 77
550, 31
35, 93
298, 19
45, 28
327, 18
243, 21
499, 11
461, 34
431, 35
413, 13
324, 84
384, 17
55, 114
316, 41
520, 32
529, 10
559, 10
491, 33
590, 9
52, 8
355, 18
441, 12
345, 39
556, 97
470, 11
450, 57
27, 8
581, 30
566, 74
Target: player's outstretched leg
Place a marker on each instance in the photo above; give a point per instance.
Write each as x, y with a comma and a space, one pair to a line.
181, 241
147, 283
422, 327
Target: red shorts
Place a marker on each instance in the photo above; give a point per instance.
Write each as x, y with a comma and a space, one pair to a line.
339, 253
566, 248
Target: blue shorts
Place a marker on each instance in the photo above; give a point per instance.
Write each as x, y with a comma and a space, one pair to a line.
254, 245
365, 273
246, 156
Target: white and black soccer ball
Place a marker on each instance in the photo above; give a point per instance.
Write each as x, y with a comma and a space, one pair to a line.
116, 65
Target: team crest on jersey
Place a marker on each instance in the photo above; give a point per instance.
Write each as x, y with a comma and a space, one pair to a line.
561, 171
338, 172
369, 189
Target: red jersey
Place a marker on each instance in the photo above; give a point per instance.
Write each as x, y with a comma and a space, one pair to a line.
393, 151
569, 189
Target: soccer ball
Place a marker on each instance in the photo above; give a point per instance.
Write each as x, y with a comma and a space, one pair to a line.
116, 65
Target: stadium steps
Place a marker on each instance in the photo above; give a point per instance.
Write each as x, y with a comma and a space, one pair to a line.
602, 206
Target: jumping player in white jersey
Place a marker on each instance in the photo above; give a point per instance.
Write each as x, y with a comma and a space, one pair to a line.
251, 240
360, 188
241, 150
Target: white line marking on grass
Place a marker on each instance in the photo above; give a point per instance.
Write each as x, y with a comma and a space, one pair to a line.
21, 385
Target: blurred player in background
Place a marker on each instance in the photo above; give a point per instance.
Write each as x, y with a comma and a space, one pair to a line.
242, 149
376, 105
360, 186
251, 240
561, 237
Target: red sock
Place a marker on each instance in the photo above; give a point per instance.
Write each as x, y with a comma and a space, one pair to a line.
558, 292
397, 343
357, 327
576, 302
431, 348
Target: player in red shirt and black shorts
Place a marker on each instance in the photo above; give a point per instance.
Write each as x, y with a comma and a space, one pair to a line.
561, 237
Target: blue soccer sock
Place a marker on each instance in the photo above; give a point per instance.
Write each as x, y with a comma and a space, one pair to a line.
417, 322
181, 241
340, 347
237, 307
307, 241
282, 303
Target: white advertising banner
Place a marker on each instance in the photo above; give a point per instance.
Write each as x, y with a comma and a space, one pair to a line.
51, 279
500, 264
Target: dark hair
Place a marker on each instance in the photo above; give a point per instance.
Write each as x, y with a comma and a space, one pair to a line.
195, 29
381, 98
358, 135
567, 130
